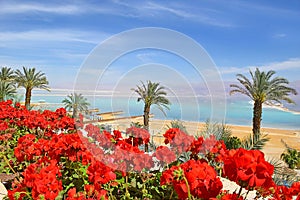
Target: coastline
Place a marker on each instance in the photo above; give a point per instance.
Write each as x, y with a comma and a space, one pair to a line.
281, 108
278, 107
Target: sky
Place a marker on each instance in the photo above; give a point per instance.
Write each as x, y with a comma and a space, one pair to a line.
62, 38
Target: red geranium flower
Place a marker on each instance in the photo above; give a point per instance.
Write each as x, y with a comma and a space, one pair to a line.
201, 178
248, 168
164, 154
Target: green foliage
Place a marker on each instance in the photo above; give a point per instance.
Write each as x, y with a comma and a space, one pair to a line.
75, 174
283, 175
7, 152
263, 88
152, 93
7, 90
291, 157
220, 131
256, 141
233, 142
75, 103
136, 124
139, 186
177, 124
7, 85
253, 142
29, 79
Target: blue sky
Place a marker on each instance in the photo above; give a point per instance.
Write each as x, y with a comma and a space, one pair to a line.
57, 37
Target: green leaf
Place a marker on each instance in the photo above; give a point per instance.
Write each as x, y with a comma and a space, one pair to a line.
140, 185
76, 176
133, 182
256, 141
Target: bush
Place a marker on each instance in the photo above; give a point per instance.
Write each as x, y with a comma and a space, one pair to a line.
56, 161
292, 158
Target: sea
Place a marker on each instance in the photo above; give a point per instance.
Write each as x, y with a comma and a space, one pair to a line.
235, 111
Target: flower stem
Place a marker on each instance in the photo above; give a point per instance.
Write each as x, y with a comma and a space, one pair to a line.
188, 187
126, 187
7, 162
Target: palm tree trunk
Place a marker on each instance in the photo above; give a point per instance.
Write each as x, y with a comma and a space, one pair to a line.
74, 112
27, 98
257, 112
146, 122
146, 117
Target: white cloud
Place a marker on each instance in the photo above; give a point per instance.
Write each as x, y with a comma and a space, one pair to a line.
293, 63
146, 57
205, 16
279, 35
160, 7
53, 35
137, 9
15, 8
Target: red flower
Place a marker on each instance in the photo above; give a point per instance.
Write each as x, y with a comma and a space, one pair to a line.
170, 134
233, 196
248, 168
164, 154
282, 193
196, 146
202, 180
19, 189
142, 161
25, 149
117, 135
142, 135
167, 176
100, 174
179, 141
41, 177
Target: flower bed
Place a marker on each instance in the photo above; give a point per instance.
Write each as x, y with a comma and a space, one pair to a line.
58, 158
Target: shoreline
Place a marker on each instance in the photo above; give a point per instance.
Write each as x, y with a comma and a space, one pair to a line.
281, 108
278, 107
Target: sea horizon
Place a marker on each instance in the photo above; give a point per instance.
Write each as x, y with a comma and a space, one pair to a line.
197, 109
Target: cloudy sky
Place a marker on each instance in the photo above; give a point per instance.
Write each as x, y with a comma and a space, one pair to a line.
60, 37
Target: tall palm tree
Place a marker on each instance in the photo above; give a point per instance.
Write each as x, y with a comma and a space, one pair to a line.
7, 86
75, 103
152, 94
30, 79
263, 89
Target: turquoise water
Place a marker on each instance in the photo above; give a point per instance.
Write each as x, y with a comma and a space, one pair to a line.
237, 112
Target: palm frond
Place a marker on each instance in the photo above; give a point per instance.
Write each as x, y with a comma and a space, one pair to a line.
152, 93
278, 165
76, 102
255, 141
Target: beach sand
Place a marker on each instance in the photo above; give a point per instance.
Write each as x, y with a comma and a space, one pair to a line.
273, 149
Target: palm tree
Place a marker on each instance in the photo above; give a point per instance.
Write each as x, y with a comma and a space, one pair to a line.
30, 79
7, 90
7, 74
75, 103
263, 89
152, 94
7, 86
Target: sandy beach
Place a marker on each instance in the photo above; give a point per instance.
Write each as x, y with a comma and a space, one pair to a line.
273, 149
